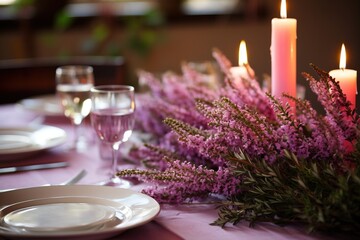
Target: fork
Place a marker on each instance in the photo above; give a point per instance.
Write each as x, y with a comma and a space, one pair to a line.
71, 181
75, 179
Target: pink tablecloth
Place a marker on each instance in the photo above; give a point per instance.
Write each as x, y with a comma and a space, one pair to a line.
173, 222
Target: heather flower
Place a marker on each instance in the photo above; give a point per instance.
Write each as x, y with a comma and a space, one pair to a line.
335, 104
199, 128
183, 181
245, 91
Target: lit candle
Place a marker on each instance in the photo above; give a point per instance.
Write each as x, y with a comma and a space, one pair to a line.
243, 70
346, 78
283, 54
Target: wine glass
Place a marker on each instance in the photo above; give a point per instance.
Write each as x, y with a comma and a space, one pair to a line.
73, 84
112, 117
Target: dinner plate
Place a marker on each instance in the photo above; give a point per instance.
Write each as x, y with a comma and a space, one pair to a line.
73, 211
44, 104
20, 142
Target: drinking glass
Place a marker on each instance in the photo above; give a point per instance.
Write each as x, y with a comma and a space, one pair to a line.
73, 84
112, 117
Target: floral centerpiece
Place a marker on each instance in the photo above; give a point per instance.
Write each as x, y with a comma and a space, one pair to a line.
249, 153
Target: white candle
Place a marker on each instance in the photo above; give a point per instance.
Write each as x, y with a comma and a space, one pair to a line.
243, 70
346, 78
283, 54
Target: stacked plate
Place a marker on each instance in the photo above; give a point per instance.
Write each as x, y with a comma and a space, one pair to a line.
16, 143
65, 212
44, 104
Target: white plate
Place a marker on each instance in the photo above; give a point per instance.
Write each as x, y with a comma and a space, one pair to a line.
113, 211
24, 141
43, 104
52, 215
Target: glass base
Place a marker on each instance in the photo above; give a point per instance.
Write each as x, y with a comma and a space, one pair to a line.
116, 182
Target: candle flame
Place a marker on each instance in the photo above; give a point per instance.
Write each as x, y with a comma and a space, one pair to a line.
342, 64
283, 9
243, 60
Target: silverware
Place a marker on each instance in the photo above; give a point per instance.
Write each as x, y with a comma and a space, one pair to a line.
75, 179
33, 167
71, 181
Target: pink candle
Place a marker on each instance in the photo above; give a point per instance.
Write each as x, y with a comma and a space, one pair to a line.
283, 54
243, 70
346, 78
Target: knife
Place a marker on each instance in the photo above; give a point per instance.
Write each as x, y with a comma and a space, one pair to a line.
33, 167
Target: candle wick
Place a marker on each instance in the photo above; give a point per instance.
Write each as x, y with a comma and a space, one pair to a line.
343, 69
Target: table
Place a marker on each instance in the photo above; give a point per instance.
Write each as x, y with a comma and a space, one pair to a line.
173, 222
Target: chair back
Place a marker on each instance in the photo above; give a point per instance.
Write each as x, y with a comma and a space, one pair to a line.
24, 78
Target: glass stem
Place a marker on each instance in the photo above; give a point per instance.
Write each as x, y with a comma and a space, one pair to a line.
115, 152
76, 134
77, 125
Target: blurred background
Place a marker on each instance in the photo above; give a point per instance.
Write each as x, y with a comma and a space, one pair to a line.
158, 35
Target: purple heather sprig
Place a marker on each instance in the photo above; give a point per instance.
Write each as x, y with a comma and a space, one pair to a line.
172, 96
183, 181
337, 107
198, 129
245, 91
325, 138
